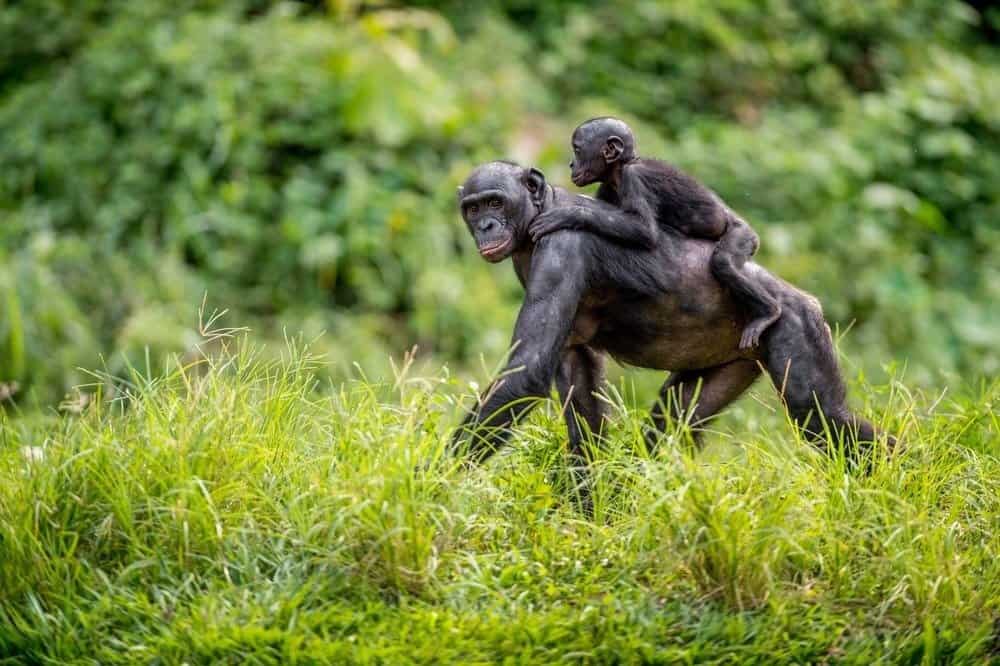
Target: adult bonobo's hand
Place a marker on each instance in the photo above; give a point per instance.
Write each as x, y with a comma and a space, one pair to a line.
566, 217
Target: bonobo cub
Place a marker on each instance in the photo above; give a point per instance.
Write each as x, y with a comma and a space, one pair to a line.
651, 195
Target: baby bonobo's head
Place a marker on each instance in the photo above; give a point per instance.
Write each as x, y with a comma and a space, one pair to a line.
600, 145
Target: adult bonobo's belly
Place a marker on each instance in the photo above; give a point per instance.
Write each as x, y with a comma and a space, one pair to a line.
691, 322
659, 333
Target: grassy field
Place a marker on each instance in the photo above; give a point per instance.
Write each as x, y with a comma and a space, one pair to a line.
232, 511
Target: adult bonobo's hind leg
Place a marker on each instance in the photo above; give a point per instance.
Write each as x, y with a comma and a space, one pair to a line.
580, 375
800, 358
711, 389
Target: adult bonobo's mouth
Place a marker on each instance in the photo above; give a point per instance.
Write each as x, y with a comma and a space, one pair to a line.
581, 179
496, 251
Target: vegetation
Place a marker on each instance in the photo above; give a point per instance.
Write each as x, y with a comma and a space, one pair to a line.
246, 497
297, 162
230, 512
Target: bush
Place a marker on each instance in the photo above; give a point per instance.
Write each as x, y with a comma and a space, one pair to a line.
298, 162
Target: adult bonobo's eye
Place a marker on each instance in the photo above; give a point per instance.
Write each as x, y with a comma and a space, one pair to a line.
496, 204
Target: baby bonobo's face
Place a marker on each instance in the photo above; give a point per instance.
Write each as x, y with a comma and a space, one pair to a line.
588, 165
600, 146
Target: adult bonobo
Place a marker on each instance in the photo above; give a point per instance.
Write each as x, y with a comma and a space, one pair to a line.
657, 308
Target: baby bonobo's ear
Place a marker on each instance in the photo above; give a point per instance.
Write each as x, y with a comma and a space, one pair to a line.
613, 149
534, 180
459, 193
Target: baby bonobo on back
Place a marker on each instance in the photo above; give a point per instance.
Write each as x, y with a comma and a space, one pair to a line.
651, 194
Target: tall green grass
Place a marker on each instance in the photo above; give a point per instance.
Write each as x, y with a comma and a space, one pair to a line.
232, 510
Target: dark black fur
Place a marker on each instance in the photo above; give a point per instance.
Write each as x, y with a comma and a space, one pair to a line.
653, 196
658, 308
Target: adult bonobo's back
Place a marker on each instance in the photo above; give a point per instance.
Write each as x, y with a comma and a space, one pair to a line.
656, 308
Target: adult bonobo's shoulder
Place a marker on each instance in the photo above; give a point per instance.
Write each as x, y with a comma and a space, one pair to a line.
563, 250
500, 201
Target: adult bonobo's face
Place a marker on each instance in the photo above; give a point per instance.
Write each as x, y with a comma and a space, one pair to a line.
598, 145
497, 202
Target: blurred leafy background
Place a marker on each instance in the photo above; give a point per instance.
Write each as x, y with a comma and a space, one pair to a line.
296, 161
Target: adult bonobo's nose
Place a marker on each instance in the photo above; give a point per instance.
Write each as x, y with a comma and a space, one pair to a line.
572, 165
487, 224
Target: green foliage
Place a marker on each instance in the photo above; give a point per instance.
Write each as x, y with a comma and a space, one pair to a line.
861, 139
266, 155
892, 217
242, 146
228, 511
297, 162
674, 63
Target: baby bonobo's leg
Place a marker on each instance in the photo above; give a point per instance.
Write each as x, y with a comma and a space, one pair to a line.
729, 259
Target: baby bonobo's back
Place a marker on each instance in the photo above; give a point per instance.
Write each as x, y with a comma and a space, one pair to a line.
681, 201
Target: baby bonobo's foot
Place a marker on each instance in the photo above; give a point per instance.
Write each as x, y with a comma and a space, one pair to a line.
753, 330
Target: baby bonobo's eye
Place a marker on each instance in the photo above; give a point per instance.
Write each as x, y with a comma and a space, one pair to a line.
495, 203
472, 209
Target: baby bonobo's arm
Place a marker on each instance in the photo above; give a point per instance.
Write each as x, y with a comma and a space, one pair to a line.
631, 222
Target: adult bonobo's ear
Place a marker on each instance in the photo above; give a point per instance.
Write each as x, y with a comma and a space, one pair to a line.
459, 193
613, 149
534, 180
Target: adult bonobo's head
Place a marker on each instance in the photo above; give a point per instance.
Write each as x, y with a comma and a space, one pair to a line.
600, 145
498, 201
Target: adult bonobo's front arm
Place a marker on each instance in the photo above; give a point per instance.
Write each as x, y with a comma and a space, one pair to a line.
554, 286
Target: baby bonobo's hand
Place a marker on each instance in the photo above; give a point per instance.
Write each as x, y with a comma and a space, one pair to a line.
553, 220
